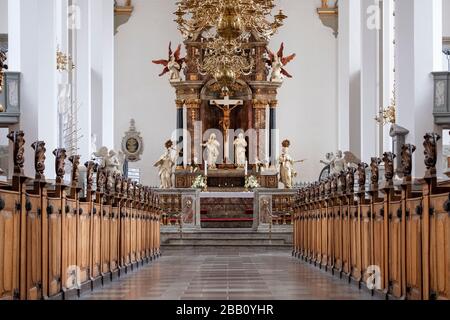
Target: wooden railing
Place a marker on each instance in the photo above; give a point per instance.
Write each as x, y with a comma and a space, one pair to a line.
393, 239
56, 243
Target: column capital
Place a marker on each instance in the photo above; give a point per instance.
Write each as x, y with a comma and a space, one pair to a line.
260, 104
273, 104
193, 103
179, 103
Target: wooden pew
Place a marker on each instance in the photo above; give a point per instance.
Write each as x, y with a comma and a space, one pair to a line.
390, 239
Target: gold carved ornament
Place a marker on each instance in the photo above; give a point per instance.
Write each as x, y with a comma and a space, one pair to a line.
227, 25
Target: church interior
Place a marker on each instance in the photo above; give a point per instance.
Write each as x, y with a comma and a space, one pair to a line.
224, 150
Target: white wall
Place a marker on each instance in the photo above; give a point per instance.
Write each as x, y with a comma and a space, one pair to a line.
446, 17
3, 16
308, 102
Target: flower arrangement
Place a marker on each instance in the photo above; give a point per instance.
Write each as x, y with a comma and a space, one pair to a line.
200, 183
251, 183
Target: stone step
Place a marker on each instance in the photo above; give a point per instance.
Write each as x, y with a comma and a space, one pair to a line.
222, 236
226, 242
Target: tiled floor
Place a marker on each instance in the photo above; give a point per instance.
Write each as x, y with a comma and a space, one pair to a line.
228, 274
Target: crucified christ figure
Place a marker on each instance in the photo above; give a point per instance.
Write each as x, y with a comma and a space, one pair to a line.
227, 106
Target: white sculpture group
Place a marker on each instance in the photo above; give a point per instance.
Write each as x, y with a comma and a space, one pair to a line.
111, 160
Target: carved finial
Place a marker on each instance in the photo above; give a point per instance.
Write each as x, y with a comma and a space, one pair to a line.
39, 159
388, 159
18, 140
407, 161
125, 187
362, 175
351, 179
118, 183
342, 182
60, 164
75, 160
91, 167
101, 179
375, 171
430, 152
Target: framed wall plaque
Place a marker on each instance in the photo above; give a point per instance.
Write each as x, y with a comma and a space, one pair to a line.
132, 143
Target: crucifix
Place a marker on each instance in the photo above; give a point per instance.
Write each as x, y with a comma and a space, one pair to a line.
226, 105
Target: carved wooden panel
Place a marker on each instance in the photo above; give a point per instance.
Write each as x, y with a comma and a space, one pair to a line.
324, 233
69, 245
366, 243
106, 242
330, 239
55, 246
84, 241
337, 232
34, 247
440, 247
114, 239
378, 239
355, 244
345, 239
9, 244
414, 249
96, 241
133, 236
396, 241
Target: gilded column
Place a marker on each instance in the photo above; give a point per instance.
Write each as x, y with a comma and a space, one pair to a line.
193, 116
180, 130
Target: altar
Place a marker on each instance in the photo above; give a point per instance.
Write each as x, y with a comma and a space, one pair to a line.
191, 210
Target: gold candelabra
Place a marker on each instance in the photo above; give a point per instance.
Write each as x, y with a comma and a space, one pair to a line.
388, 115
226, 25
231, 19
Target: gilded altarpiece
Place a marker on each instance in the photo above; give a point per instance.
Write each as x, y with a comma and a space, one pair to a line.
258, 111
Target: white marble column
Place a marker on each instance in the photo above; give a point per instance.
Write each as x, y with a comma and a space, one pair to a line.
32, 51
370, 77
388, 61
108, 73
83, 87
418, 39
349, 68
102, 81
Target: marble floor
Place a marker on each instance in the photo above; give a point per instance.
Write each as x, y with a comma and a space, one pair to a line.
228, 274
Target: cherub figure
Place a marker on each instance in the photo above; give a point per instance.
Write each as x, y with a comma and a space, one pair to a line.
173, 64
278, 62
